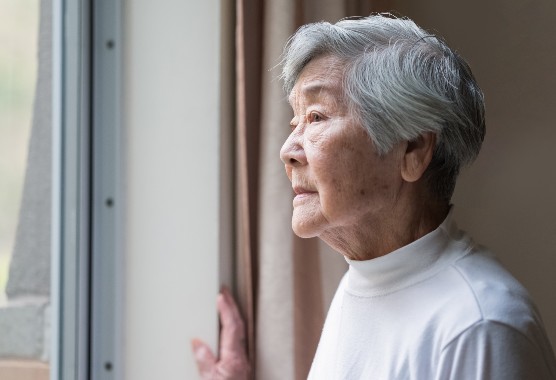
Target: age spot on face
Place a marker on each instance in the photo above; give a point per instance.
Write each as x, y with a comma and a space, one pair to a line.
338, 186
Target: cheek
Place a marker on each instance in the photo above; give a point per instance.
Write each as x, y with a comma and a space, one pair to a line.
351, 179
341, 180
288, 172
347, 170
345, 167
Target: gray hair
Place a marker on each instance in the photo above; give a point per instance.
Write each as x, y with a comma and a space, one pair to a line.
401, 82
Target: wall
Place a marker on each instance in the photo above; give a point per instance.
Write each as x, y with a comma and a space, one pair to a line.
507, 199
172, 112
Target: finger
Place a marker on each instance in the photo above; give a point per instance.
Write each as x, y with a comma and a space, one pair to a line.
233, 331
234, 309
204, 358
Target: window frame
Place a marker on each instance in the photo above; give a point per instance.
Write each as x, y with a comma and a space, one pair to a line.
86, 253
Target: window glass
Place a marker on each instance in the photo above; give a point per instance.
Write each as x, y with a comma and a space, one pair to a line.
25, 182
18, 67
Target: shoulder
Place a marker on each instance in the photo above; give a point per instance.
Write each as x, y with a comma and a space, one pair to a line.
498, 296
506, 332
492, 350
475, 289
499, 333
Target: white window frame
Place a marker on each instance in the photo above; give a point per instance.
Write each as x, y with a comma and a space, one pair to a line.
86, 254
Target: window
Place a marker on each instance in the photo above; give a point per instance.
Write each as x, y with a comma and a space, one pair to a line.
25, 196
61, 250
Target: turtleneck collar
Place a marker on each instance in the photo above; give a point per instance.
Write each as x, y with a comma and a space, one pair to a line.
407, 265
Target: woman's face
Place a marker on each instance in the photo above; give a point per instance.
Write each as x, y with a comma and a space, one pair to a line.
339, 179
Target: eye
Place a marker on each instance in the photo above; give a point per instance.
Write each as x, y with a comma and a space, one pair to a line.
315, 117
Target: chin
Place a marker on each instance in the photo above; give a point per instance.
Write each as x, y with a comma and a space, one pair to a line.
304, 230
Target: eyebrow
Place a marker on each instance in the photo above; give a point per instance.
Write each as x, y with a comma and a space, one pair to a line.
312, 89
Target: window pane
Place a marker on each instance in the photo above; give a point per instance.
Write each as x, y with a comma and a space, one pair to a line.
25, 182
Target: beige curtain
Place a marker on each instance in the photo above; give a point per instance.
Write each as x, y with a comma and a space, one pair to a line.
284, 284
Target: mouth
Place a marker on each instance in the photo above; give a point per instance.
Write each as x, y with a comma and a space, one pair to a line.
298, 190
302, 195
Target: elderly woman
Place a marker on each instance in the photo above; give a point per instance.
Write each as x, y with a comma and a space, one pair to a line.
385, 115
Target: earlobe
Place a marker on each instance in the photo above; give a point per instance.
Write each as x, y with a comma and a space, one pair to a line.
417, 157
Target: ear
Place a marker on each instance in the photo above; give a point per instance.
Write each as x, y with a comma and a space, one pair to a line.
417, 157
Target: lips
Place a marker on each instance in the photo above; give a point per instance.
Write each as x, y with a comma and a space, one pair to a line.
298, 190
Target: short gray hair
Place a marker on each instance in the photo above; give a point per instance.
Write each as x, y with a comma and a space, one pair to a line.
401, 82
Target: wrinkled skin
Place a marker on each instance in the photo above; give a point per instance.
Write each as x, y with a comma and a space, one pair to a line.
362, 204
232, 363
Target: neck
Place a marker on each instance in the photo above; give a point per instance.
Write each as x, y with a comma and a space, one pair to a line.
377, 235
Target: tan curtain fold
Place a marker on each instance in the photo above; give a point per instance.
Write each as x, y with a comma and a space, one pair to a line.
308, 303
275, 308
284, 283
248, 85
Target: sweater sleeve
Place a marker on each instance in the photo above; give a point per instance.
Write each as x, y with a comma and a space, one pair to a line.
493, 351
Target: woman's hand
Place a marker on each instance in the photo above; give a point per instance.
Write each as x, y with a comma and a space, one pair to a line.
232, 363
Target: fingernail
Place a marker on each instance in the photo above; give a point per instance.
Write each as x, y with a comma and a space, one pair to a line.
198, 347
220, 298
196, 344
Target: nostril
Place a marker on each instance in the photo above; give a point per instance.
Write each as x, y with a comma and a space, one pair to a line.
292, 153
293, 161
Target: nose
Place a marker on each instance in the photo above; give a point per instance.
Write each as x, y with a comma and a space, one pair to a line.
292, 152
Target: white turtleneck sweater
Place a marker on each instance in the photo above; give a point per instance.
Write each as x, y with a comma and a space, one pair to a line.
438, 308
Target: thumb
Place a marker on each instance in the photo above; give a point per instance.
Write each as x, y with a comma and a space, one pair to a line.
204, 357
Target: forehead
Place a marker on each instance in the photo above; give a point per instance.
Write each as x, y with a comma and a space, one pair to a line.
321, 77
